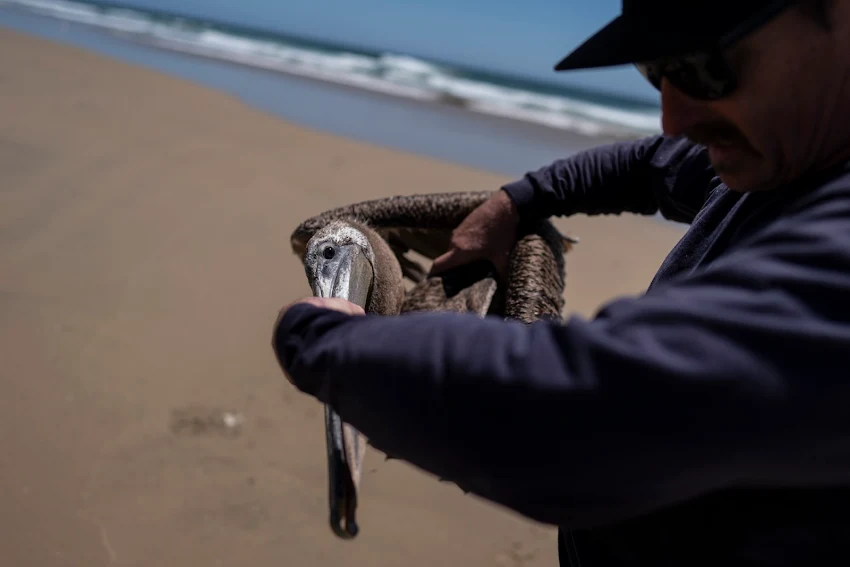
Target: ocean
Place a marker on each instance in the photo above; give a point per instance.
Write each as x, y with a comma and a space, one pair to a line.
499, 123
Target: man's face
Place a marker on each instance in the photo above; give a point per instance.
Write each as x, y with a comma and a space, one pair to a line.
791, 111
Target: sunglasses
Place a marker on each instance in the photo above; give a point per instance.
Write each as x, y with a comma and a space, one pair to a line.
707, 74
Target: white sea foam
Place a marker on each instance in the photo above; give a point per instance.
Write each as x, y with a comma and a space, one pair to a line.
398, 75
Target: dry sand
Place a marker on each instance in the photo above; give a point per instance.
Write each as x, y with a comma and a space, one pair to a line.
144, 253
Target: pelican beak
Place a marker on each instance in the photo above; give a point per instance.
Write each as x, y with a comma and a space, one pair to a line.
342, 271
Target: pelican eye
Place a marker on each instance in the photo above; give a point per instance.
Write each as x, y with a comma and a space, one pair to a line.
329, 253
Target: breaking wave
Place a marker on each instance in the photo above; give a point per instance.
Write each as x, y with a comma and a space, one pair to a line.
398, 75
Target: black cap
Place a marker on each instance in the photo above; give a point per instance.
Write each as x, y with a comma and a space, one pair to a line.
649, 29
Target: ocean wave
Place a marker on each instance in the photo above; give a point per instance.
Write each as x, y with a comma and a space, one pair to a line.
394, 74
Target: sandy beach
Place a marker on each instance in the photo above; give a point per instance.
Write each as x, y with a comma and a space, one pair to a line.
144, 254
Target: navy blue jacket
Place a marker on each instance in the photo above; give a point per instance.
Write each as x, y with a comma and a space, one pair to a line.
705, 420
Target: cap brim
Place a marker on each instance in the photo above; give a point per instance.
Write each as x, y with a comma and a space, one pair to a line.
622, 42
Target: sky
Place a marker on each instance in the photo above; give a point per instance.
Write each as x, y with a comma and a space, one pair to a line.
515, 37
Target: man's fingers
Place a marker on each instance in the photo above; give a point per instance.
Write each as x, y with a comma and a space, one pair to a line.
451, 259
442, 263
335, 304
455, 258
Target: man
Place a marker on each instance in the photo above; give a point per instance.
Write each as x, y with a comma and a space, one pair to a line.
706, 421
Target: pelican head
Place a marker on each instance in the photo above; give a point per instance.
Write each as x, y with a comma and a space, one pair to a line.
349, 260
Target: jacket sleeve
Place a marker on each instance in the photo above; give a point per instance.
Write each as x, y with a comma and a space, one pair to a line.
642, 177
735, 373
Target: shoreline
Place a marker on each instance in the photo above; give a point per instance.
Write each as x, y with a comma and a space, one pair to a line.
610, 131
505, 146
449, 104
442, 101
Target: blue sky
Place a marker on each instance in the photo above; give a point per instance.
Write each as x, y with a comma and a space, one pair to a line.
520, 37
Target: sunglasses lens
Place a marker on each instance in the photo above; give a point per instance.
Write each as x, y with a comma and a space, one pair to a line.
700, 76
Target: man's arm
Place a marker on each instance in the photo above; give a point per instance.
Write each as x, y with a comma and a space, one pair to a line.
655, 174
736, 373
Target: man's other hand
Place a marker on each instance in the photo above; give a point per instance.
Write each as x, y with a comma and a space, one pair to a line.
489, 232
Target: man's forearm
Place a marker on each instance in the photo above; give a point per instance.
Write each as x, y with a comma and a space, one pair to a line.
625, 177
585, 424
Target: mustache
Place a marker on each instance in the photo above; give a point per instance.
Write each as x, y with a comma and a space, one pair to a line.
716, 133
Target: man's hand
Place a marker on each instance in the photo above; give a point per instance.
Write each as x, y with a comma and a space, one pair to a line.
333, 303
489, 232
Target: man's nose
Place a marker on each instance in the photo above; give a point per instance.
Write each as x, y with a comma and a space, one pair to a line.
679, 112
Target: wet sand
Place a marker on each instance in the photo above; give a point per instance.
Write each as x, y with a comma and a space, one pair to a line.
144, 253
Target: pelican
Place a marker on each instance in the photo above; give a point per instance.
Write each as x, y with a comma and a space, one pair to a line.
359, 252
349, 260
